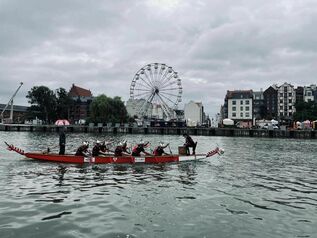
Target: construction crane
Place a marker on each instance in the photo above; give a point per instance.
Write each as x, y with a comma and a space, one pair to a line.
10, 102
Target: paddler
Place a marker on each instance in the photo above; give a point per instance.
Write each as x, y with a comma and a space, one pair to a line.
159, 150
137, 149
104, 147
83, 149
97, 149
121, 149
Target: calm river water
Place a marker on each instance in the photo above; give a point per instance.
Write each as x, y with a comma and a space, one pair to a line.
258, 188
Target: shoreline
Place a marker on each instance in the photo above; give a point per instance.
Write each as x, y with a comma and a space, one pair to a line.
231, 132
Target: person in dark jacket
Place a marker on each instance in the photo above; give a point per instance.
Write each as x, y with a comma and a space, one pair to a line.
83, 149
189, 142
121, 149
62, 141
136, 151
97, 150
159, 150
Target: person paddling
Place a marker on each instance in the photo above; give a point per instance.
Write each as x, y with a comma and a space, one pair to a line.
189, 142
136, 151
97, 150
121, 149
104, 147
83, 149
159, 150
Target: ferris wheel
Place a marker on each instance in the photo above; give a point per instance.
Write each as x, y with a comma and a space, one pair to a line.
156, 84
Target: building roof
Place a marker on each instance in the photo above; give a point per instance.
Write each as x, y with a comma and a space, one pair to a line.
239, 94
16, 108
76, 91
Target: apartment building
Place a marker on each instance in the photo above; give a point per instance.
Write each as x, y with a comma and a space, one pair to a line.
286, 100
239, 105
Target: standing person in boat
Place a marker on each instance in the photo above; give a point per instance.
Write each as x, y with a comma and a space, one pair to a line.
159, 150
62, 141
121, 149
189, 142
97, 149
83, 149
136, 151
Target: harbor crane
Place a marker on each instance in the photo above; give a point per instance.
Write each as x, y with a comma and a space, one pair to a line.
10, 102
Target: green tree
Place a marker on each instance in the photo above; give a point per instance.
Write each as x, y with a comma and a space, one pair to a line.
63, 103
43, 101
305, 111
104, 109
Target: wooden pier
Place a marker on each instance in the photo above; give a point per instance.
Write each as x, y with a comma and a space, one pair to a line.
233, 132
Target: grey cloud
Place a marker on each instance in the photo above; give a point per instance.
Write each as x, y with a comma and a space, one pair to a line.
214, 45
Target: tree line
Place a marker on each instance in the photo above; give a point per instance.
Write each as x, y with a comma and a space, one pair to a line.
49, 105
305, 111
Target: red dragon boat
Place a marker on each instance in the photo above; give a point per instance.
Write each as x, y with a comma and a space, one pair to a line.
127, 159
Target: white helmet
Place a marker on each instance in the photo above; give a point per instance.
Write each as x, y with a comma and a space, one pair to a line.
86, 143
123, 143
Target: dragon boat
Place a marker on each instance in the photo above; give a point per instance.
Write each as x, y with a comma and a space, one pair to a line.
111, 159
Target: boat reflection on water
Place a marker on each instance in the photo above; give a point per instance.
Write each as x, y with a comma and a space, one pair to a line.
117, 174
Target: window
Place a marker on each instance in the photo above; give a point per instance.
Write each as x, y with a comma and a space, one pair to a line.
281, 107
233, 102
234, 109
241, 108
290, 100
247, 114
233, 114
281, 94
285, 89
247, 102
241, 102
281, 101
290, 107
289, 94
247, 108
241, 114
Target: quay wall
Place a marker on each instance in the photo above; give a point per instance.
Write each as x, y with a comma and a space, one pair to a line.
233, 132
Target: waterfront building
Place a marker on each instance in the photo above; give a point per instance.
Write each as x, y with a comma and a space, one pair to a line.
133, 107
240, 106
81, 101
299, 91
194, 113
19, 113
286, 101
310, 93
259, 109
270, 102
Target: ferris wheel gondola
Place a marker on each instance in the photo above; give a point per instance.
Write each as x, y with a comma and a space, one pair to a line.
156, 84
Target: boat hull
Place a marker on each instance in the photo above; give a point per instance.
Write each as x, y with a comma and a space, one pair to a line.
113, 159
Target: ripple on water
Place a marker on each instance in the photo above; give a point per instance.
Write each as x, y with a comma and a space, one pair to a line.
259, 188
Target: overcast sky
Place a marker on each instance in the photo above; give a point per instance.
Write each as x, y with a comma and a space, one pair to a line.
214, 45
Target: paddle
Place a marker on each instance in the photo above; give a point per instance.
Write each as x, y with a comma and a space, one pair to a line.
170, 149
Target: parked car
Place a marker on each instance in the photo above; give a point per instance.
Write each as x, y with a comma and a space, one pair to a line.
267, 126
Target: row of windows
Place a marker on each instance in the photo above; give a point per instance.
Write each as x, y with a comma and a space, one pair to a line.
241, 114
241, 108
289, 108
247, 102
285, 114
289, 101
285, 94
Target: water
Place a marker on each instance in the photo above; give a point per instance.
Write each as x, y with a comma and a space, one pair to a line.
258, 188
